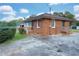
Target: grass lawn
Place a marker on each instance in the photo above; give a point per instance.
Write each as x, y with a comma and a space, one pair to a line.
74, 30
18, 36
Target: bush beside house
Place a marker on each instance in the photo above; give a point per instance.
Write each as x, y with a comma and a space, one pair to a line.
22, 30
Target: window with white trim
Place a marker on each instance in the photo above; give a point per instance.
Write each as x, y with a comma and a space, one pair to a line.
53, 24
38, 24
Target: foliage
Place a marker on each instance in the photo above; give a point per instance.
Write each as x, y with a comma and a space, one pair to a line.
59, 14
67, 14
18, 36
6, 32
22, 31
12, 23
77, 23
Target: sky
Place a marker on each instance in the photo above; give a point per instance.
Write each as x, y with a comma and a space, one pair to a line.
11, 11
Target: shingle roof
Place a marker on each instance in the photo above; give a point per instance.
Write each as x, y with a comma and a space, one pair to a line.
46, 15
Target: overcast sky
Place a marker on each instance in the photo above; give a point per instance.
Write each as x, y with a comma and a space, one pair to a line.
10, 11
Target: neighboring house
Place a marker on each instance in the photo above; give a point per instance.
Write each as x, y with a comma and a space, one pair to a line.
48, 24
75, 27
78, 27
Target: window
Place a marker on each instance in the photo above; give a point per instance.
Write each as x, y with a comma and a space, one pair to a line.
29, 24
53, 23
37, 24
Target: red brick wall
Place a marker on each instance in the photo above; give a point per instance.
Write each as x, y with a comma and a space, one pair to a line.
45, 28
58, 27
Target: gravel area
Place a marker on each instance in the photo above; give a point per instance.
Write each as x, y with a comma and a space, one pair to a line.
55, 45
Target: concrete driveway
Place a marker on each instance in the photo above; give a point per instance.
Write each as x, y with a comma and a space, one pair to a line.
36, 46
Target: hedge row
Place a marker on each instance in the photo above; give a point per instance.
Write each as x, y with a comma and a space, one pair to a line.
6, 33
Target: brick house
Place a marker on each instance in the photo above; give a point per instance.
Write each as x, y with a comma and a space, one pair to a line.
48, 24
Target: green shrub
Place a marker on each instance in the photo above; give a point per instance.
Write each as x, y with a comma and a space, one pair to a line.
6, 33
22, 31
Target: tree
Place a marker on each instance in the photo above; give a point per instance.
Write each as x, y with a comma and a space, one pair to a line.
59, 14
77, 23
69, 15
